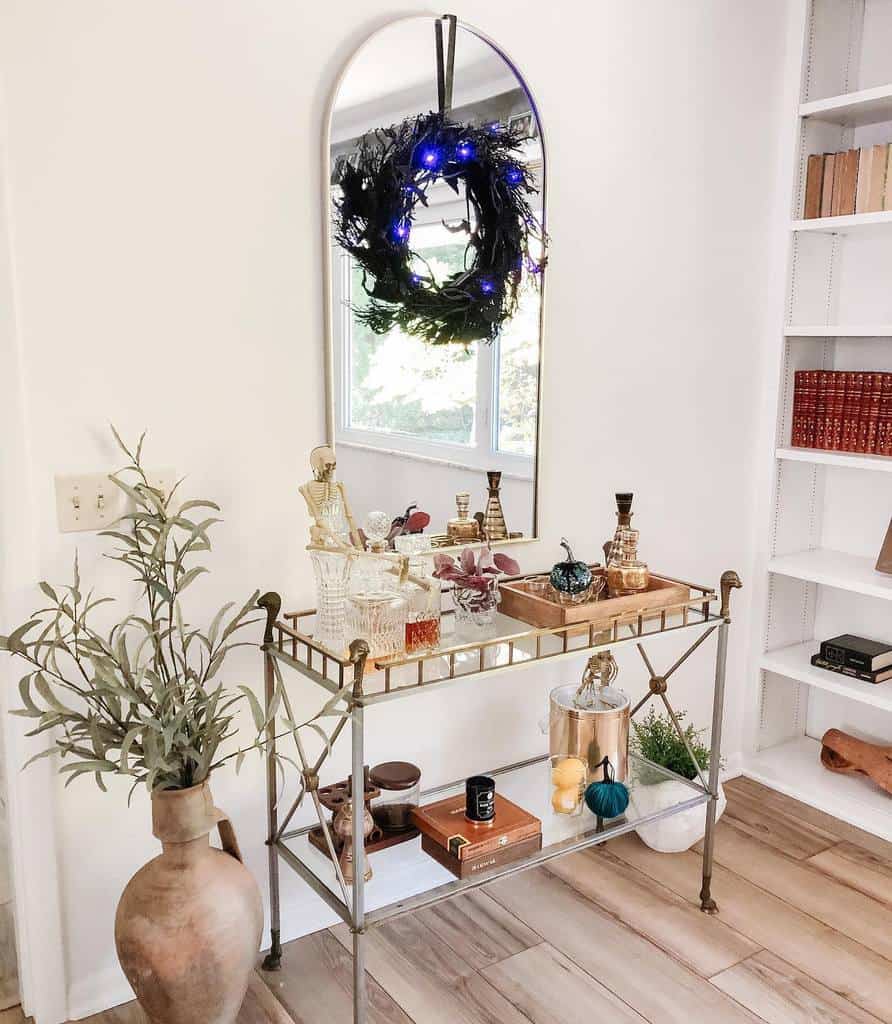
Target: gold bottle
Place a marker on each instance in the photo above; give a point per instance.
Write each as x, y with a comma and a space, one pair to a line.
626, 574
463, 527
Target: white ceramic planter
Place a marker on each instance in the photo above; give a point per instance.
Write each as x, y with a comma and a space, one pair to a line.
679, 831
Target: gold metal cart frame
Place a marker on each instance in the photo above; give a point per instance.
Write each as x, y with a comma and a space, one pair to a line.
352, 689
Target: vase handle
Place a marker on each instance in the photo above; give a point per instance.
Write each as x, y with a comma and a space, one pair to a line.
227, 835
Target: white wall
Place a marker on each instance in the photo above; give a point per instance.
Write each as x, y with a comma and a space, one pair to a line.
165, 186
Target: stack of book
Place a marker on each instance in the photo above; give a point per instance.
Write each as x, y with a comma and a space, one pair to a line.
842, 412
857, 657
853, 181
470, 848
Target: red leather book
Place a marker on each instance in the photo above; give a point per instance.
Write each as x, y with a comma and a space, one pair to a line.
884, 423
852, 412
835, 405
809, 408
797, 430
821, 418
870, 412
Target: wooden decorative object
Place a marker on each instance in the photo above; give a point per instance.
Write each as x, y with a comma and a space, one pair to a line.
843, 753
884, 562
520, 602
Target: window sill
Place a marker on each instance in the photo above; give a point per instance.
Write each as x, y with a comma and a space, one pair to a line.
507, 474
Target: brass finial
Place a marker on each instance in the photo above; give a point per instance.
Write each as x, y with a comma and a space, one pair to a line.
271, 603
730, 580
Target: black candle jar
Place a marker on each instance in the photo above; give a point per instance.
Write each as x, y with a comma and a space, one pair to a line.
480, 799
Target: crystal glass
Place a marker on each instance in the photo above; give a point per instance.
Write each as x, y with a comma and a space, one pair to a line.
567, 782
376, 611
422, 614
475, 610
332, 571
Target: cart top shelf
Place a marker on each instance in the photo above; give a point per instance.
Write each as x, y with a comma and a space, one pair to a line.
509, 644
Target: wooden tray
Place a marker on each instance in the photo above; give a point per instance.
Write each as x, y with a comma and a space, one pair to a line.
377, 839
519, 603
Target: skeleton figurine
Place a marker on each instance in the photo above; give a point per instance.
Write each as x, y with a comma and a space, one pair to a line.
326, 499
600, 672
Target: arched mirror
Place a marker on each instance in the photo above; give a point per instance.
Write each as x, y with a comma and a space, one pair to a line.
435, 199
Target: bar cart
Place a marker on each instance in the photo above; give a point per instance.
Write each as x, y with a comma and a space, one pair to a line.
354, 683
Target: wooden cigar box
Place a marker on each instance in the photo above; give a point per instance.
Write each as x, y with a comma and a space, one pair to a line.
445, 824
470, 866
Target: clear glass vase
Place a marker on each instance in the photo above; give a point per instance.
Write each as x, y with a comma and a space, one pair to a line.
475, 610
332, 571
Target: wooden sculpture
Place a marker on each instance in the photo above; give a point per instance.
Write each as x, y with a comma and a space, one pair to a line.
843, 753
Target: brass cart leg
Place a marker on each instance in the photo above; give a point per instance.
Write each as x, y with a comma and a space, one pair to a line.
707, 904
272, 603
360, 995
358, 653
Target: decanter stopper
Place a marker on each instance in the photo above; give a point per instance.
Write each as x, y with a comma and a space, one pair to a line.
377, 529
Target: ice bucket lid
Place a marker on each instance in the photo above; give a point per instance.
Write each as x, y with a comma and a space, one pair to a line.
562, 697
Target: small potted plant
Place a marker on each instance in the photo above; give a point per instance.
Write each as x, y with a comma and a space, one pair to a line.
657, 740
475, 580
144, 700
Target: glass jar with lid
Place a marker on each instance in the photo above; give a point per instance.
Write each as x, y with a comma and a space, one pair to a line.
399, 783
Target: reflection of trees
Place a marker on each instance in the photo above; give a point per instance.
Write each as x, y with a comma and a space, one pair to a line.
519, 378
400, 384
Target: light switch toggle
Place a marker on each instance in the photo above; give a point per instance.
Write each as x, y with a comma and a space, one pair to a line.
91, 501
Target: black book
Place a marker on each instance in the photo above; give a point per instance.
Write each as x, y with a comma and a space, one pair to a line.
857, 652
852, 673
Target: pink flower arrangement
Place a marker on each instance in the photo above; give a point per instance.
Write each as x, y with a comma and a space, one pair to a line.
474, 571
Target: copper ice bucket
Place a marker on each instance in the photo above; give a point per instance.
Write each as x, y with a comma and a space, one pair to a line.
590, 733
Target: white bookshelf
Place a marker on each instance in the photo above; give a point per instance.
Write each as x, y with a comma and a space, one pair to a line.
795, 768
844, 460
794, 662
838, 331
827, 511
867, 106
867, 225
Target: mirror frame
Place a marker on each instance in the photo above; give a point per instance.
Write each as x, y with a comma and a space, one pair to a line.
327, 269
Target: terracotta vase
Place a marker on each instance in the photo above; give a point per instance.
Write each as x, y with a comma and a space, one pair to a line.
189, 923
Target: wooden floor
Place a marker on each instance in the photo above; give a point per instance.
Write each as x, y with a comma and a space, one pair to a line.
615, 934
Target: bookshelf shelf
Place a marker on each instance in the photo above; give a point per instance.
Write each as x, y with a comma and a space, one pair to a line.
865, 225
795, 768
794, 662
837, 569
853, 109
816, 457
838, 331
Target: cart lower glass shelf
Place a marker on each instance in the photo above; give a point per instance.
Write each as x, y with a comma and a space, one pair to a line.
406, 879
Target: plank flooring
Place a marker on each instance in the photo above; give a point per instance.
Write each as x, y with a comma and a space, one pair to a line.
803, 935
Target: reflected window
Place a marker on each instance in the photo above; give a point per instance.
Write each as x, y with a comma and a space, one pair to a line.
479, 404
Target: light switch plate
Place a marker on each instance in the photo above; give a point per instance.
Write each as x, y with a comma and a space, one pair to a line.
91, 501
88, 501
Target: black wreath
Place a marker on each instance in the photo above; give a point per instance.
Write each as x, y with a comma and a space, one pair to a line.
381, 184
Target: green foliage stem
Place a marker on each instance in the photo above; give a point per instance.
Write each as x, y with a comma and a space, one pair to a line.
142, 700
